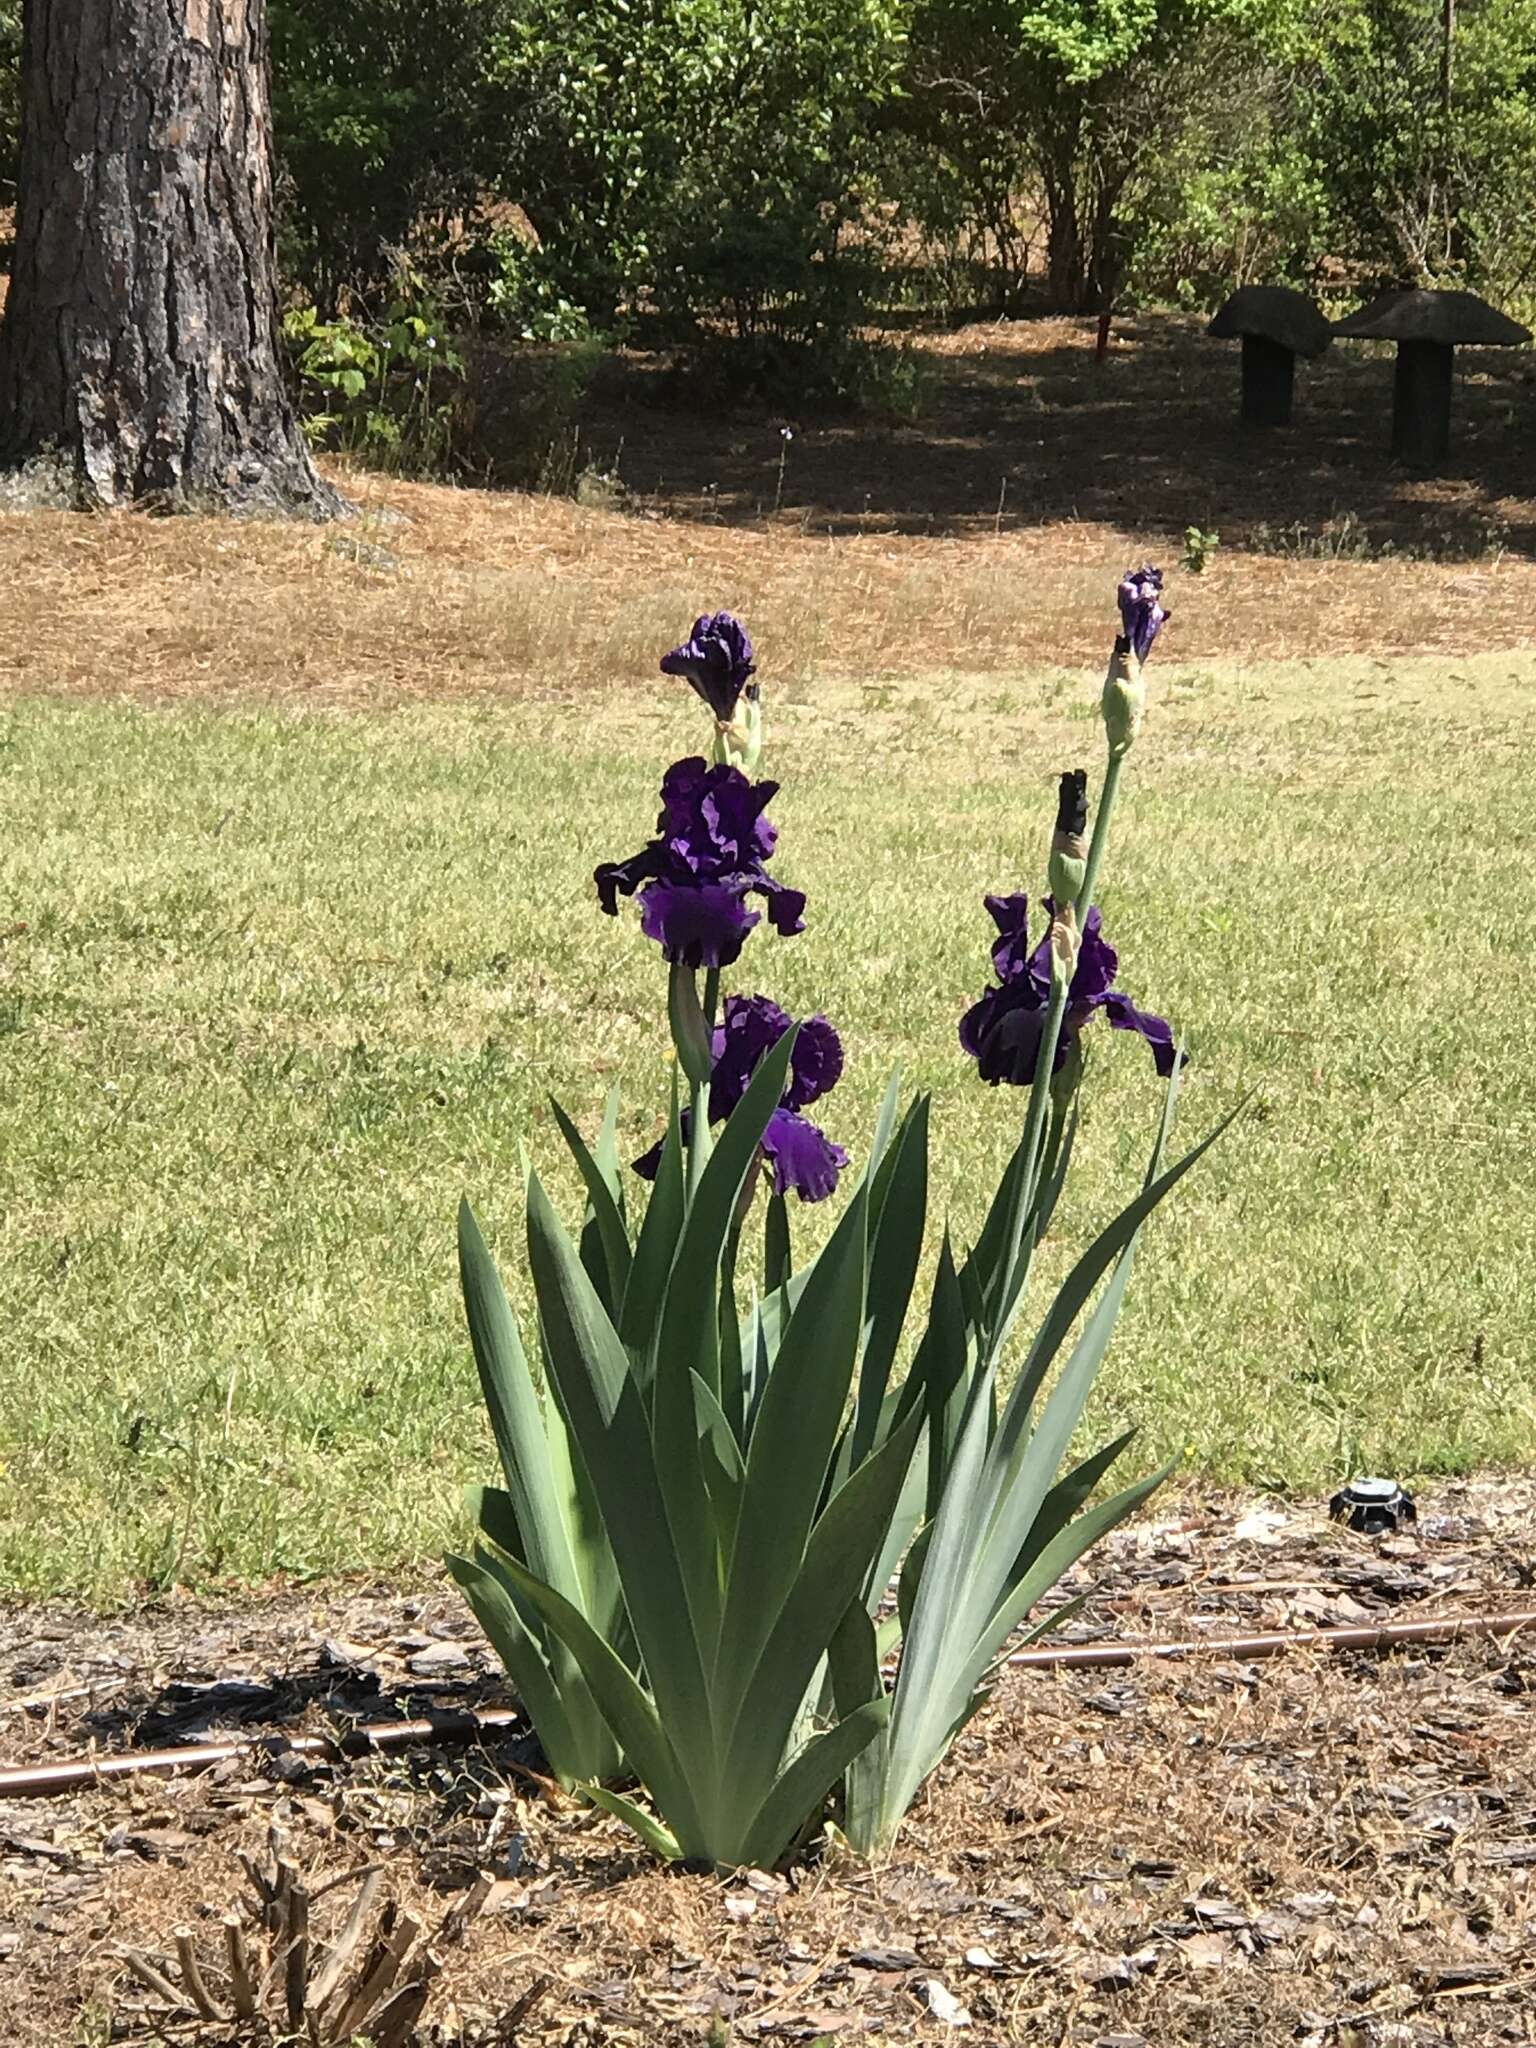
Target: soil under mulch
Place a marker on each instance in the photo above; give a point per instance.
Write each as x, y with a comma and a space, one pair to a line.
1322, 1848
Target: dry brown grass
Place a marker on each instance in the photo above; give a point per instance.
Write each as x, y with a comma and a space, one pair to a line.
888, 558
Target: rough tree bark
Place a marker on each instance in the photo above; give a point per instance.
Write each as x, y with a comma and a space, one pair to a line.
139, 351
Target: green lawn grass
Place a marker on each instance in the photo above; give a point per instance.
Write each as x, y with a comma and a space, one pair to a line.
289, 983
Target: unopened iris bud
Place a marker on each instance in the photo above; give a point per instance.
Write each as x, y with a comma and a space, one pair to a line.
1065, 942
739, 739
1069, 842
1125, 698
1142, 615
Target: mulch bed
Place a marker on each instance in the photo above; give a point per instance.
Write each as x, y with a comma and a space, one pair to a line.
1320, 1848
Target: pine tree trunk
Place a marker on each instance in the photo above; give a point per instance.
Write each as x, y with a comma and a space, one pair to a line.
139, 352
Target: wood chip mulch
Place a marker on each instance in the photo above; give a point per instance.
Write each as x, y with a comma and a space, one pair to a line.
1329, 1849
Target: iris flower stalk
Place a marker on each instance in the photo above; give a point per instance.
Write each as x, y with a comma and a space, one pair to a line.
1142, 615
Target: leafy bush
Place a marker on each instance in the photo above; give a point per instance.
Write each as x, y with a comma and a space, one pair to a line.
384, 391
844, 372
519, 422
714, 164
686, 1570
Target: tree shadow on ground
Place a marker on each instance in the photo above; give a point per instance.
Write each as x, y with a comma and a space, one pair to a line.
1024, 427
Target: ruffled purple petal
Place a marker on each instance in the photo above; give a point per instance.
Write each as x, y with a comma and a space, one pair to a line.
803, 1158
681, 787
1157, 1031
702, 925
750, 1028
816, 1064
1010, 950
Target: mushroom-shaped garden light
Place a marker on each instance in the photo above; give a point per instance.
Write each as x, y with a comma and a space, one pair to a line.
1427, 327
1277, 325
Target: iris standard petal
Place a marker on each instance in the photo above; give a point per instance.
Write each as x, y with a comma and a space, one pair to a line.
750, 1028
1010, 949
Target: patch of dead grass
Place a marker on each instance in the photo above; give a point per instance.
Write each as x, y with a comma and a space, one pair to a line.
976, 543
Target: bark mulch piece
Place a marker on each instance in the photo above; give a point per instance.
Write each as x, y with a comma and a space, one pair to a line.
1328, 1849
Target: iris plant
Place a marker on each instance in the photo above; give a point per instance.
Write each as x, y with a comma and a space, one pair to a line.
1003, 1031
713, 840
687, 1571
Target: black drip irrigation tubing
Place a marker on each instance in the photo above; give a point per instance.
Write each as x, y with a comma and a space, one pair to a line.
464, 1728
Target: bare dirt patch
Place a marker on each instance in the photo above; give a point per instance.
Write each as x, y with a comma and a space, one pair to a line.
1322, 1848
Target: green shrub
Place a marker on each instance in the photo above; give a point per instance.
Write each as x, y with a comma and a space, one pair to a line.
387, 392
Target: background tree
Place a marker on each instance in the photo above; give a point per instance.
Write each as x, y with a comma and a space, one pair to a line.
139, 355
1417, 124
387, 132
1087, 97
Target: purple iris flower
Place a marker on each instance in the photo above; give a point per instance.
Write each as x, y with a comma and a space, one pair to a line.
716, 659
803, 1159
1003, 1031
1141, 613
712, 840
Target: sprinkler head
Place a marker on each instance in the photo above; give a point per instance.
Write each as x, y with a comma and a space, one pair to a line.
1373, 1506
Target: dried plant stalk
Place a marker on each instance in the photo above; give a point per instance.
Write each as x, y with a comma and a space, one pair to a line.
192, 1977
330, 1976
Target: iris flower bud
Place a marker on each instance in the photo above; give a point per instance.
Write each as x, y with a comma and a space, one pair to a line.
1142, 614
1069, 842
739, 739
1125, 698
1065, 943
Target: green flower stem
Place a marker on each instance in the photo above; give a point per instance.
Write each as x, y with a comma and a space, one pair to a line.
1015, 1270
1100, 838
700, 1143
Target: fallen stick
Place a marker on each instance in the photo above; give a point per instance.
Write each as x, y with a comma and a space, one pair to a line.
51, 1781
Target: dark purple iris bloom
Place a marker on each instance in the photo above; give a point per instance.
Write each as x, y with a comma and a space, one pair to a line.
752, 1026
1141, 614
716, 659
802, 1157
1003, 1031
712, 840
